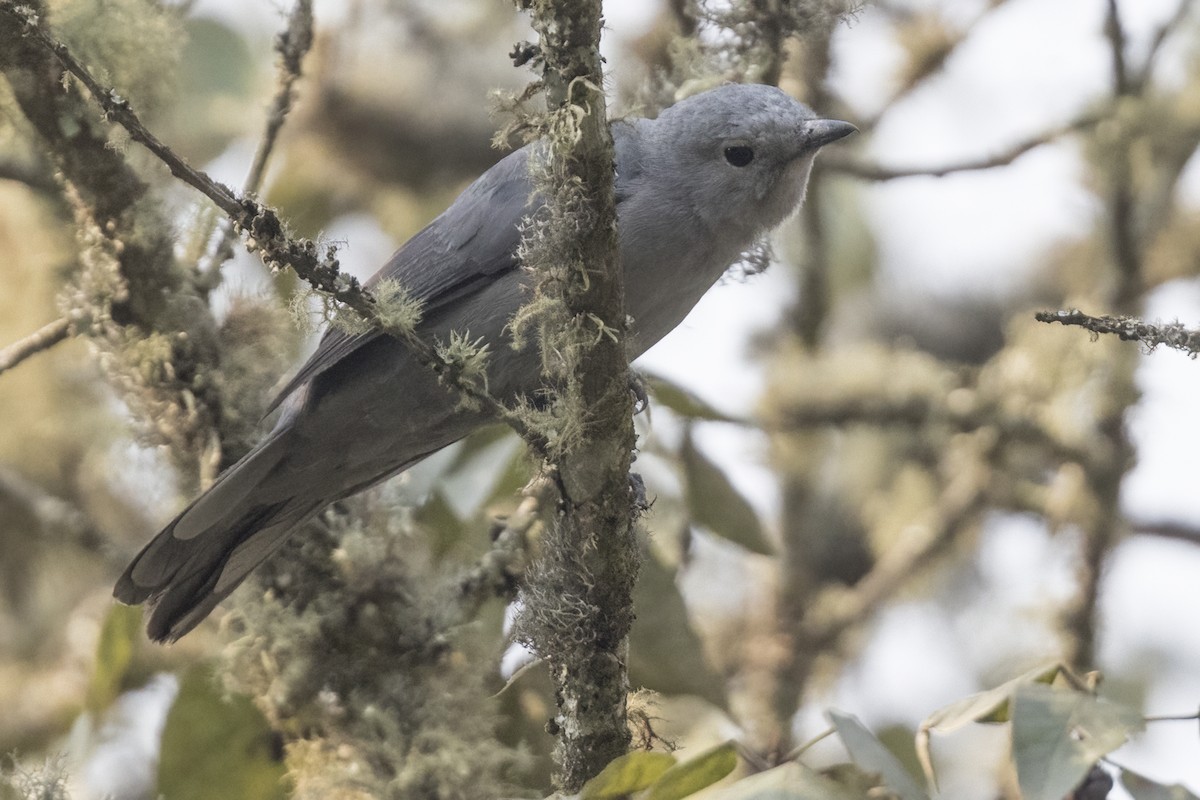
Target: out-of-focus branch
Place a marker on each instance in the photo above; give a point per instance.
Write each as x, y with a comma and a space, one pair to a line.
930, 64
830, 610
129, 295
267, 234
292, 44
875, 172
1124, 236
1171, 334
12, 169
1115, 31
1168, 530
42, 339
964, 495
1117, 391
1161, 34
59, 518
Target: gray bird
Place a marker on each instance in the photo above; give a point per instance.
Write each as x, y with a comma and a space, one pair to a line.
696, 187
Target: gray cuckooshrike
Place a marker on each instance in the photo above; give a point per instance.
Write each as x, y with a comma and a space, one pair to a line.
695, 188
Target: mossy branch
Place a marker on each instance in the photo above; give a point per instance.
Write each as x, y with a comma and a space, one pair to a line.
578, 604
267, 234
1130, 329
128, 294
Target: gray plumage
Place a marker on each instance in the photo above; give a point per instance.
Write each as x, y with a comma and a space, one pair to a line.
362, 409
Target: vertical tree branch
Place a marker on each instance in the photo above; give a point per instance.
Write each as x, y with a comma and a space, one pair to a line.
1118, 392
805, 567
578, 600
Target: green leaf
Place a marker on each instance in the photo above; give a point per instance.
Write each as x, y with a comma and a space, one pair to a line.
870, 754
683, 402
990, 706
114, 653
478, 466
516, 474
1058, 734
476, 444
791, 781
217, 746
665, 653
684, 780
440, 524
627, 774
714, 503
215, 59
1142, 788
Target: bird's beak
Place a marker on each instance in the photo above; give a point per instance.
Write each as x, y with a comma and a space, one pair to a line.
820, 132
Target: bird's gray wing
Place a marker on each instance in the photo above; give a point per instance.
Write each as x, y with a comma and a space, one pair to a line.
468, 246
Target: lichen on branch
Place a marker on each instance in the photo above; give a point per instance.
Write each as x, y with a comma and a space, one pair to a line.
578, 605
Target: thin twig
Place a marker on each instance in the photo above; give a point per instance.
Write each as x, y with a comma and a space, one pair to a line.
806, 746
1171, 334
1173, 718
875, 172
266, 233
292, 44
42, 339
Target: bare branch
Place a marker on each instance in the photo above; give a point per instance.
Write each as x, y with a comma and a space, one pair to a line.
875, 172
1173, 717
1172, 334
58, 518
42, 339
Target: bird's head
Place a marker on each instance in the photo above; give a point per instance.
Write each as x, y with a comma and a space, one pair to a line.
742, 153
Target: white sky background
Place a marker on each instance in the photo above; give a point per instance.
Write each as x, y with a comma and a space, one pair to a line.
974, 233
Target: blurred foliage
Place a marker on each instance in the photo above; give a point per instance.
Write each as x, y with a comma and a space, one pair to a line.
895, 429
119, 637
217, 744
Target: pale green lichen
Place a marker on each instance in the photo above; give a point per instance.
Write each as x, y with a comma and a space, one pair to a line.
47, 781
467, 359
398, 310
351, 646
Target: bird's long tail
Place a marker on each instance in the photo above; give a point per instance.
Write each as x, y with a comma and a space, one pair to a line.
198, 559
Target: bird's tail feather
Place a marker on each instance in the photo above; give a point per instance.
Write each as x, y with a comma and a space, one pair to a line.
198, 559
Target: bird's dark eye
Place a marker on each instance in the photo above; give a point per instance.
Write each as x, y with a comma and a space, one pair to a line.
739, 155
